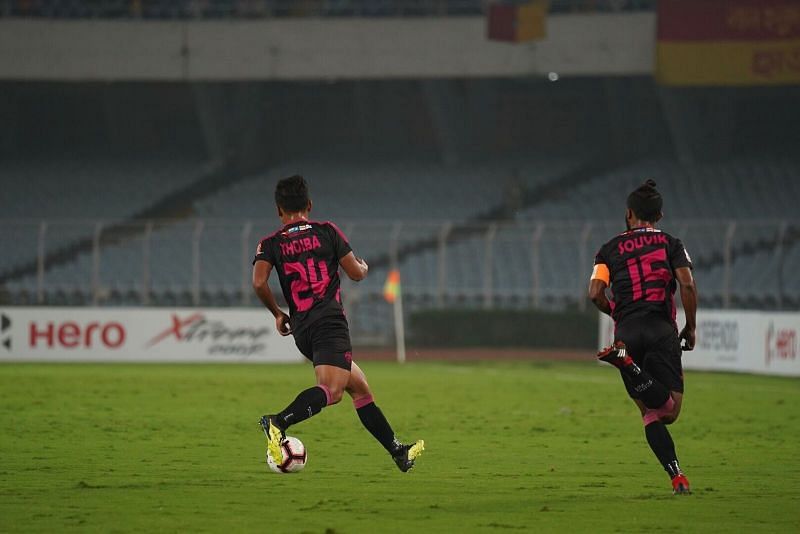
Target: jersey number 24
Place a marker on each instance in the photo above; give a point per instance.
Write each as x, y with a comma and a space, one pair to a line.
311, 278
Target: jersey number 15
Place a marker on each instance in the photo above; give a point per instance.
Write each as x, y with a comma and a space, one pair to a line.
642, 272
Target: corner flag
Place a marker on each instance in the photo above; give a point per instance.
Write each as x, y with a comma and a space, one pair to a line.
392, 294
391, 289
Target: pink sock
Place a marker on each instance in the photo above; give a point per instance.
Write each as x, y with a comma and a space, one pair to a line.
328, 396
363, 401
651, 416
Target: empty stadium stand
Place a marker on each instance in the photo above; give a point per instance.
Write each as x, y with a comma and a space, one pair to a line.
484, 192
514, 233
64, 200
761, 187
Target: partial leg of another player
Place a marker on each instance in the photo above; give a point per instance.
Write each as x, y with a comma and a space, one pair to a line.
375, 422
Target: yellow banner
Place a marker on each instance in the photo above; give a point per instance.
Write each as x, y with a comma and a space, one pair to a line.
729, 62
531, 21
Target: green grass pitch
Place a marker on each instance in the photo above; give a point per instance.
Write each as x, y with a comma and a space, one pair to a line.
510, 446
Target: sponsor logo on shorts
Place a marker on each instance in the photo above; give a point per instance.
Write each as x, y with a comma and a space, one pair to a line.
643, 387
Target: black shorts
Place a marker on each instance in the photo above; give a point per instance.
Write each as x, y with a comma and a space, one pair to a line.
653, 344
326, 342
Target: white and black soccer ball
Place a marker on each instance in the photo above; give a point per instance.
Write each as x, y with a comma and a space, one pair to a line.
294, 456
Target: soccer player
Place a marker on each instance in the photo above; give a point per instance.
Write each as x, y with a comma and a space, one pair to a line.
307, 256
643, 266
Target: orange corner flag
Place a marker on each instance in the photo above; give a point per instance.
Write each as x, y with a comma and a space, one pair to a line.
392, 286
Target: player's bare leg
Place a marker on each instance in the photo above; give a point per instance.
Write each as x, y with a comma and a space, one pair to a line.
331, 382
639, 404
671, 415
375, 422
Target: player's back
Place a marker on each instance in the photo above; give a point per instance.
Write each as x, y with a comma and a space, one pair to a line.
641, 267
306, 256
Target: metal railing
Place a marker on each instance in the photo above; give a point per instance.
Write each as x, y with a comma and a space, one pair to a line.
249, 9
497, 264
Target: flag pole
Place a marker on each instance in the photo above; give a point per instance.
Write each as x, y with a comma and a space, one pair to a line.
393, 293
399, 327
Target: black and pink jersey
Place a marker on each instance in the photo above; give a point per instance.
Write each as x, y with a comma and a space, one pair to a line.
306, 256
639, 266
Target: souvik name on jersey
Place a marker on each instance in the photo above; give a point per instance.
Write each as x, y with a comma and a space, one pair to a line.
639, 266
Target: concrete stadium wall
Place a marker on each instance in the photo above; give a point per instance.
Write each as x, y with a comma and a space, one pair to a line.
739, 341
314, 49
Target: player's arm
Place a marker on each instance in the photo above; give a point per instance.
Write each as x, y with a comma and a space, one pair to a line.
261, 272
597, 288
689, 299
355, 268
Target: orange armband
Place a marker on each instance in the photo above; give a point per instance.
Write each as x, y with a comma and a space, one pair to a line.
601, 272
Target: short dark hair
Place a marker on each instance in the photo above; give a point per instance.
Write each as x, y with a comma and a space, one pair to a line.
291, 194
645, 201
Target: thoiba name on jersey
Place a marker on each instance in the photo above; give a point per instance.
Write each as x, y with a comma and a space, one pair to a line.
629, 245
298, 246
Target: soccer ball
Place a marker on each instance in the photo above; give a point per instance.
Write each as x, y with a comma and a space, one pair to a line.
294, 456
